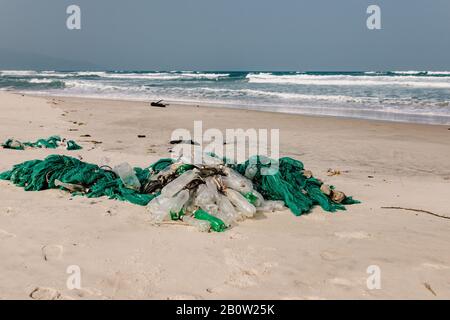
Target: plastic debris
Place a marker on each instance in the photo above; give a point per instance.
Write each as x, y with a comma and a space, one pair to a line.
36, 175
179, 183
163, 208
216, 224
200, 225
213, 195
128, 176
52, 142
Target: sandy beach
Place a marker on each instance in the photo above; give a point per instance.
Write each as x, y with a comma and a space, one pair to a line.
274, 256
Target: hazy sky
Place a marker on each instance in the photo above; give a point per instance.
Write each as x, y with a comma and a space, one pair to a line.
226, 35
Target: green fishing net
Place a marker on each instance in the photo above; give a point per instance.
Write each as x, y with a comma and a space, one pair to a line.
298, 192
52, 142
36, 175
72, 145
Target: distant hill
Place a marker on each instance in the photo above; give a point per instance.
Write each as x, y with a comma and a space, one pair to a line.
34, 61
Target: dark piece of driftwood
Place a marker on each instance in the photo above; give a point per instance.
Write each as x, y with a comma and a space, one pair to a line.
184, 142
158, 104
418, 210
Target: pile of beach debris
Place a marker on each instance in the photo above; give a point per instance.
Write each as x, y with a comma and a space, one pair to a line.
213, 195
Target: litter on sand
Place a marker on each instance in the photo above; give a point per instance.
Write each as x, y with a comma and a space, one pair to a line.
52, 142
213, 195
158, 104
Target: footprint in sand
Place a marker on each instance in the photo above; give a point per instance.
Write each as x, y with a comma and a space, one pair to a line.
353, 235
40, 293
43, 293
6, 235
52, 252
8, 211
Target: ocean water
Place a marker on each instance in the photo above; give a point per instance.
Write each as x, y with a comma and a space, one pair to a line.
408, 96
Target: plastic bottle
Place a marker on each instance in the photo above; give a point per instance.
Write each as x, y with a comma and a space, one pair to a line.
216, 224
200, 225
227, 207
177, 203
241, 203
251, 171
128, 176
204, 196
271, 206
237, 182
255, 198
161, 208
227, 213
212, 187
179, 183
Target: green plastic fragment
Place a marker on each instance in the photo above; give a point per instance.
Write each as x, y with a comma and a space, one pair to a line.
176, 215
72, 145
216, 224
251, 198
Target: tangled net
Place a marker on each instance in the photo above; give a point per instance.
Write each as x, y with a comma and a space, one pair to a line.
52, 142
212, 195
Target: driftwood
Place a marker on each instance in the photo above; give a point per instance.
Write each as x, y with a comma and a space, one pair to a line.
158, 104
418, 210
184, 142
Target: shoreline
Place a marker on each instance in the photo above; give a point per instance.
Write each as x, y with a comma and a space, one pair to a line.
275, 256
255, 108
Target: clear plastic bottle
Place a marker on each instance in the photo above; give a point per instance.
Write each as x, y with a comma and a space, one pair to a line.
212, 187
179, 183
271, 206
227, 209
200, 225
237, 182
161, 207
204, 196
241, 203
128, 176
177, 203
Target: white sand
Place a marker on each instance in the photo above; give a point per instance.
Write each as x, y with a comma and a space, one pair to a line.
280, 256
